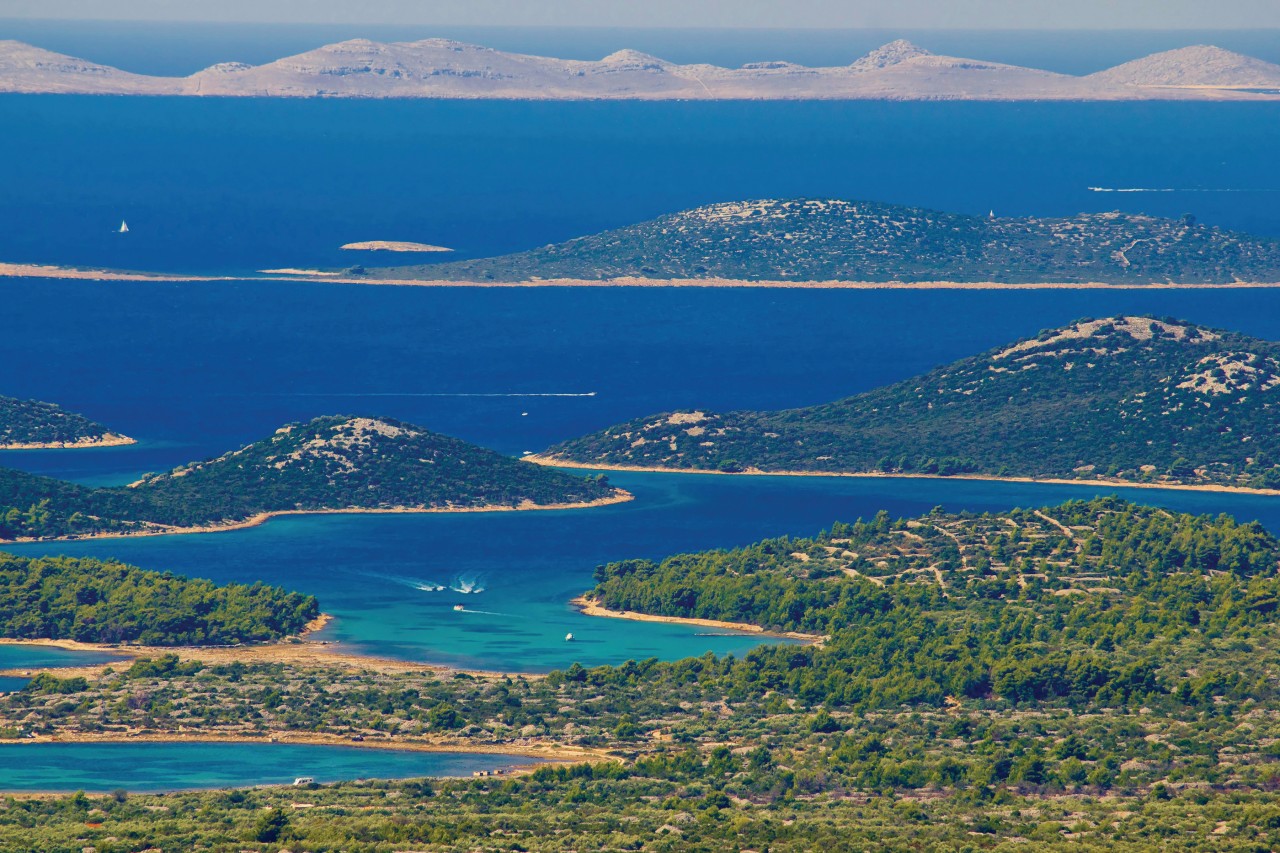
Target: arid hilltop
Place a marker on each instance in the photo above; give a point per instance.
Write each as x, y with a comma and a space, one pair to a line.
440, 68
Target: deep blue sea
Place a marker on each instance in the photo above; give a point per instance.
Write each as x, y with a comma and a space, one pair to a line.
236, 185
231, 186
197, 369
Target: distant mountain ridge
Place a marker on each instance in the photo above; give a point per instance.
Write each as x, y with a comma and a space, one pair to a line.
1198, 65
803, 240
1120, 399
441, 68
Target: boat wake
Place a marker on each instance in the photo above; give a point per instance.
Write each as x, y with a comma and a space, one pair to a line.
467, 585
415, 583
432, 394
462, 584
460, 609
1182, 190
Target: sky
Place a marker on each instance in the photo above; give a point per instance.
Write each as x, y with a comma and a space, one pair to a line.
940, 14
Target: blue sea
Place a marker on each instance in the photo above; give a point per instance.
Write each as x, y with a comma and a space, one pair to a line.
229, 186
153, 767
226, 187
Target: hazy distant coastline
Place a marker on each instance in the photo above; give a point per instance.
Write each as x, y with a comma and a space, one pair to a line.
444, 69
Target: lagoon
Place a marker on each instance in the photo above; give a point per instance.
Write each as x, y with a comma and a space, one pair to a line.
152, 767
35, 658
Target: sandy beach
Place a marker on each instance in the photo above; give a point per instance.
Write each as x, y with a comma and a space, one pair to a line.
618, 496
527, 748
556, 462
295, 651
8, 270
108, 440
11, 270
589, 607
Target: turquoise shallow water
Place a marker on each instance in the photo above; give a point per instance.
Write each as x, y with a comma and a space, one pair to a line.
369, 570
35, 658
196, 370
150, 767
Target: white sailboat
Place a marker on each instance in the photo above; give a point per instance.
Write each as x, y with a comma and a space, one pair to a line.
124, 227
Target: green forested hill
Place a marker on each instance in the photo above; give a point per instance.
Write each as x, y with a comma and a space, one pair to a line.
1130, 399
327, 463
1096, 676
63, 598
1089, 601
32, 422
799, 240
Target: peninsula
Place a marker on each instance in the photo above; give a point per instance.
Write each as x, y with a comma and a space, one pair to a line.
829, 241
96, 601
440, 68
1120, 400
33, 424
329, 464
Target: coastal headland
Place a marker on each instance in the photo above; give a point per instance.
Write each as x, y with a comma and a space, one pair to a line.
109, 440
619, 496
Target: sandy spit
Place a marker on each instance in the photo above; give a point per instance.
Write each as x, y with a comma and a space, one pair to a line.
294, 651
549, 751
618, 496
557, 462
544, 752
12, 270
8, 270
589, 607
109, 439
295, 271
